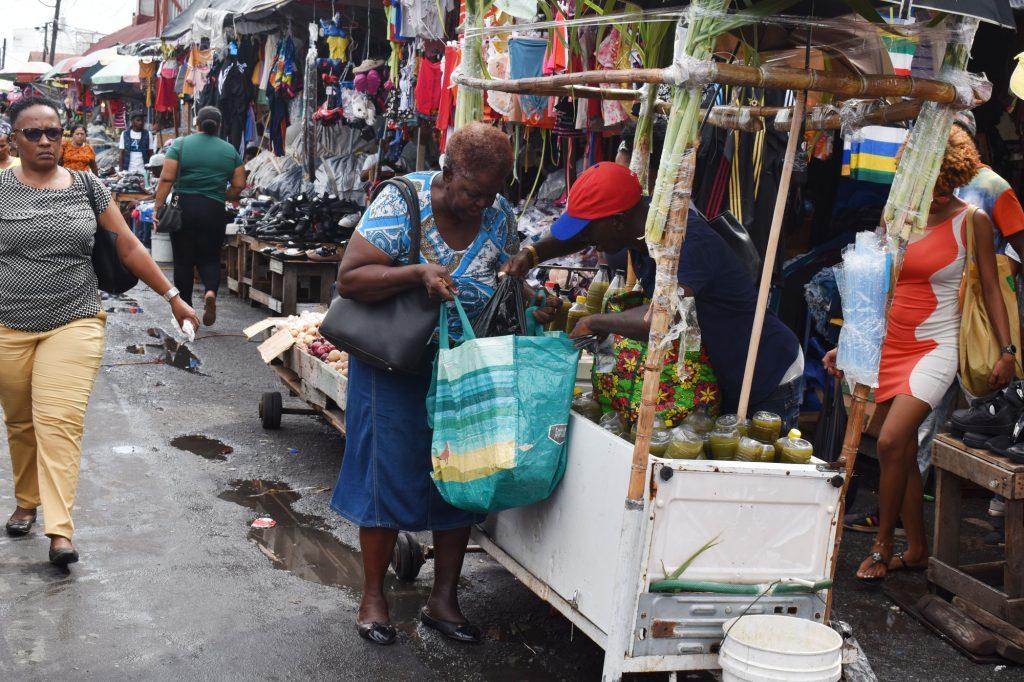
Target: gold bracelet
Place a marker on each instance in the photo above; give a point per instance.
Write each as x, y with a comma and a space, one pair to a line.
534, 259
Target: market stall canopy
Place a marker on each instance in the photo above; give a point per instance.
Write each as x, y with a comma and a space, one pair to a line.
249, 16
996, 12
88, 65
61, 68
124, 69
25, 72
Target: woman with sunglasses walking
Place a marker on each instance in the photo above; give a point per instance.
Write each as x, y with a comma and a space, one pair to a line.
51, 325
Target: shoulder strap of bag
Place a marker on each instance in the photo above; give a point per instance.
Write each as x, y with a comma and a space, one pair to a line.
968, 227
90, 191
408, 191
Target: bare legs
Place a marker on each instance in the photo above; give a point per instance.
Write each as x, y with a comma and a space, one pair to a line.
900, 493
377, 545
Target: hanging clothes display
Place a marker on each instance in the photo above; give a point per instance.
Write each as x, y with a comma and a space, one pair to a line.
198, 71
166, 95
446, 108
283, 85
526, 60
869, 153
428, 87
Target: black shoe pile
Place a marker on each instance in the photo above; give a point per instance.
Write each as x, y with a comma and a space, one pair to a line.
995, 422
305, 218
129, 183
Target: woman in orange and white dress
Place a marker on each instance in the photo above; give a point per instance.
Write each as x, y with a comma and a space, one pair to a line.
920, 356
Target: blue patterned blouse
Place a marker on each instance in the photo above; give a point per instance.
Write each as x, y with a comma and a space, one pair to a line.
385, 224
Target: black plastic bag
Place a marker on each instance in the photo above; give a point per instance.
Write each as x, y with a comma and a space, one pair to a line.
505, 313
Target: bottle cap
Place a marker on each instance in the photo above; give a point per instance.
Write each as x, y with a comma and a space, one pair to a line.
795, 433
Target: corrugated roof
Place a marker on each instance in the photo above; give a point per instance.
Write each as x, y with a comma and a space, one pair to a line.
126, 35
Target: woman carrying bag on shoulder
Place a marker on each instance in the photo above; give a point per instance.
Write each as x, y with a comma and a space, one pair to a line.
51, 325
199, 168
385, 484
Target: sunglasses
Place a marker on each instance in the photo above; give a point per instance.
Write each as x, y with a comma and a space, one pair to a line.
36, 134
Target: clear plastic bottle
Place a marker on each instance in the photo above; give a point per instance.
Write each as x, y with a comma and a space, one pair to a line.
617, 286
661, 437
585, 404
793, 449
612, 423
596, 292
724, 443
766, 427
699, 422
576, 313
685, 444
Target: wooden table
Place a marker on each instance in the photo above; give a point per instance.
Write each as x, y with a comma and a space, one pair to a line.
997, 586
281, 284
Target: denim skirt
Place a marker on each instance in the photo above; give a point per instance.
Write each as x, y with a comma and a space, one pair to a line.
385, 477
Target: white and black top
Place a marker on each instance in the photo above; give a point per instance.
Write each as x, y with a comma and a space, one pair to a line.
46, 239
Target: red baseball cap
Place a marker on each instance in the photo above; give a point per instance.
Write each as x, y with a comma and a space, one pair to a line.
602, 190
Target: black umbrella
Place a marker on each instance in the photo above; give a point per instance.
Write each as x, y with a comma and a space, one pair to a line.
993, 11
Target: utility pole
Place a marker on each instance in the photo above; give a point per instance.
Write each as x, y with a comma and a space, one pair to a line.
3, 56
46, 38
53, 38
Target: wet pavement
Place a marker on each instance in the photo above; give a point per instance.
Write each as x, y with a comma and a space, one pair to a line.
178, 580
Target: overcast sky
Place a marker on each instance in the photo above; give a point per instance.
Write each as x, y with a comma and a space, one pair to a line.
21, 16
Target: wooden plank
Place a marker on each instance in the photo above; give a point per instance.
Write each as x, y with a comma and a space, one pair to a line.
996, 625
990, 572
276, 345
956, 625
980, 471
1004, 463
987, 597
289, 291
276, 266
265, 299
948, 495
1013, 571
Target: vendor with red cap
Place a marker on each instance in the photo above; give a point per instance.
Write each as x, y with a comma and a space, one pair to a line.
607, 209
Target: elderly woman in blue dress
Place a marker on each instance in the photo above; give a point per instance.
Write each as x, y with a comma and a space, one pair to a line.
468, 233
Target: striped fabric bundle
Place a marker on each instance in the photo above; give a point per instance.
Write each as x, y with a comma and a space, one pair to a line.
499, 408
901, 48
869, 153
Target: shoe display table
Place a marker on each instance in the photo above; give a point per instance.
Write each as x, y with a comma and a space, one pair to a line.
280, 284
997, 586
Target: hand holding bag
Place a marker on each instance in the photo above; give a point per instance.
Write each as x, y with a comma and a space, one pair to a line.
111, 274
393, 334
169, 217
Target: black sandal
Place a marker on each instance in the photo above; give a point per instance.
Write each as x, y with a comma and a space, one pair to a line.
906, 567
382, 634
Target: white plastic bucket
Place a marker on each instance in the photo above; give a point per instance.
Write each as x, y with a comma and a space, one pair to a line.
161, 247
780, 649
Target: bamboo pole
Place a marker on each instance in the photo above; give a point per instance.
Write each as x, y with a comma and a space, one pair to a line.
819, 120
911, 187
769, 257
781, 78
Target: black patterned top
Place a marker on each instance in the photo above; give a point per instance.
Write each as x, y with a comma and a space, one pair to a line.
46, 238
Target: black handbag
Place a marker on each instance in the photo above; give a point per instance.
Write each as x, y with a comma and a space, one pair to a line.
393, 334
736, 236
111, 274
169, 217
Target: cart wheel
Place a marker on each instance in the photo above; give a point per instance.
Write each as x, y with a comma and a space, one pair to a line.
270, 410
407, 559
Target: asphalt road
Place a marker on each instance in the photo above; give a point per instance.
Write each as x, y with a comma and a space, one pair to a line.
174, 584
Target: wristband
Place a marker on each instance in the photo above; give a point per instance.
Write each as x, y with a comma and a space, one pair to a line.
534, 259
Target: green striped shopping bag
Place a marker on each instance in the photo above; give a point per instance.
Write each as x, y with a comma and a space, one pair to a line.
499, 407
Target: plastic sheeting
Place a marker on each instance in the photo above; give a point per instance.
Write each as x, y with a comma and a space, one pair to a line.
863, 280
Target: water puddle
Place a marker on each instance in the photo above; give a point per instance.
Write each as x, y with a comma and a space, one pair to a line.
300, 544
204, 446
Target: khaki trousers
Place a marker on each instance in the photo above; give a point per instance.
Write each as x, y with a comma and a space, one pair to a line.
45, 382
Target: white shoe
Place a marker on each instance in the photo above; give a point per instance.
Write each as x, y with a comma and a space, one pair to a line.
996, 507
351, 220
